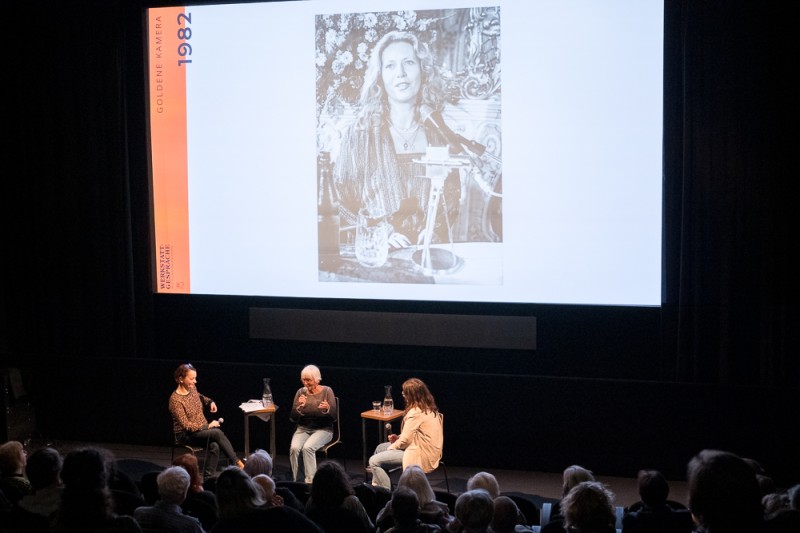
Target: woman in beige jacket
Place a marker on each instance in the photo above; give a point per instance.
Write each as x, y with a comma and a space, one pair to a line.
420, 439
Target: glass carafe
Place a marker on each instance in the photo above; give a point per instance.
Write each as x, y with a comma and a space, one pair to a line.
266, 395
388, 403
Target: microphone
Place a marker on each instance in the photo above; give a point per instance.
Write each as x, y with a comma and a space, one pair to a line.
221, 420
388, 427
305, 390
457, 142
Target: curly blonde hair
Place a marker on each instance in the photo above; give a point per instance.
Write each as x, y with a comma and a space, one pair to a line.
373, 100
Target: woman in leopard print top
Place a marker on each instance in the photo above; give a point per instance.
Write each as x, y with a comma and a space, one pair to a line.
189, 421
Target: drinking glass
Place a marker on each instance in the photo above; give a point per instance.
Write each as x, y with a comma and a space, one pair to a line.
372, 239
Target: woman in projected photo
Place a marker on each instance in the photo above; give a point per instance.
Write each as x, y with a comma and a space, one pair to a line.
420, 440
375, 167
190, 424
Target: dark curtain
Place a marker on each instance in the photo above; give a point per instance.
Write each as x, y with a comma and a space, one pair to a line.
69, 288
730, 111
76, 246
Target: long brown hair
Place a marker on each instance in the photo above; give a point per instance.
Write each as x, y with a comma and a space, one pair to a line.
416, 394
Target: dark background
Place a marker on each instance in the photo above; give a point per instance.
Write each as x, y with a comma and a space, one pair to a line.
612, 388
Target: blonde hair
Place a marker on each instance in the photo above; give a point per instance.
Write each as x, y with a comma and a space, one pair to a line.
415, 479
486, 481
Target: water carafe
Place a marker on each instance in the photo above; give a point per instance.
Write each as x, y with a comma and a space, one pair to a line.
388, 403
266, 395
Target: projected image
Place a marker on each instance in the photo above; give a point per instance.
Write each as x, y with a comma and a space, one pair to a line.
409, 146
317, 149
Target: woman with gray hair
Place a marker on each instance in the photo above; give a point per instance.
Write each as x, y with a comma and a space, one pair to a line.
314, 410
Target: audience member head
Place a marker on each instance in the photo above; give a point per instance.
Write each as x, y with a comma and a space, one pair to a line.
259, 462
723, 492
572, 476
766, 485
774, 502
506, 515
86, 499
653, 488
237, 493
415, 479
485, 481
188, 462
173, 484
405, 506
755, 466
44, 468
588, 507
779, 515
794, 496
12, 459
330, 485
267, 485
474, 510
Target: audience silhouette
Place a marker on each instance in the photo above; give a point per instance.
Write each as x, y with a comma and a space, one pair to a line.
75, 494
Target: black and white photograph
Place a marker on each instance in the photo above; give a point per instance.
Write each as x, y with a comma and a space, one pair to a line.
409, 151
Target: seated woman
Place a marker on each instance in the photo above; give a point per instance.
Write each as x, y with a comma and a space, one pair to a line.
420, 440
333, 504
314, 411
430, 511
189, 422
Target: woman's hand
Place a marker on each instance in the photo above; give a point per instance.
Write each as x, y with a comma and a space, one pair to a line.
213, 407
324, 406
301, 401
398, 240
393, 438
213, 424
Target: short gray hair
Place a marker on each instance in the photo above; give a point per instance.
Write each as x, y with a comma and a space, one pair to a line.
173, 483
486, 481
474, 509
313, 372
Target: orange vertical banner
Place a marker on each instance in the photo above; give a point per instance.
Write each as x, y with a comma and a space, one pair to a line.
168, 43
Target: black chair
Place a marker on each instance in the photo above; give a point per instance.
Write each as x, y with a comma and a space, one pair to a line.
124, 502
366, 495
301, 491
149, 487
204, 509
337, 436
179, 448
448, 498
442, 466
